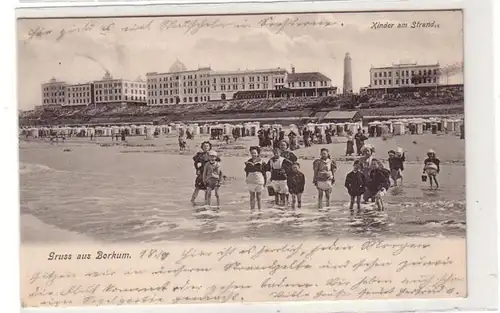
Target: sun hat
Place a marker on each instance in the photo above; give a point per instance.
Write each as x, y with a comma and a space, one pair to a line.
368, 147
212, 153
431, 151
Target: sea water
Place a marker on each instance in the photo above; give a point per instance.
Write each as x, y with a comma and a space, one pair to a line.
110, 196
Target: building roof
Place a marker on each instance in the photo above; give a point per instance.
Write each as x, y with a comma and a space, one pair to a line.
255, 71
336, 115
307, 77
405, 65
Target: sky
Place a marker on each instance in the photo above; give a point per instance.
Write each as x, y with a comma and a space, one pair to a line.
81, 50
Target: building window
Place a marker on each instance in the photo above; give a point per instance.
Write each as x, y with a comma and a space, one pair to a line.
397, 81
407, 81
375, 82
385, 74
390, 81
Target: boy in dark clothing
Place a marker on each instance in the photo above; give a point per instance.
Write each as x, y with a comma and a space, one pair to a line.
378, 185
355, 184
396, 165
296, 182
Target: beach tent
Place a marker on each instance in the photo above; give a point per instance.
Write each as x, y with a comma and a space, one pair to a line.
399, 128
133, 130
228, 128
450, 125
107, 131
140, 130
149, 132
374, 129
204, 129
389, 126
254, 128
419, 126
33, 132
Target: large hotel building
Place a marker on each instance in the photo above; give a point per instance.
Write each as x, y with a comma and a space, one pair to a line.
182, 86
112, 90
54, 92
404, 75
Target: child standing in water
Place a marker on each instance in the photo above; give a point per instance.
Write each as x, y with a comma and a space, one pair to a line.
279, 168
324, 169
212, 176
296, 182
431, 168
378, 185
356, 185
255, 171
396, 165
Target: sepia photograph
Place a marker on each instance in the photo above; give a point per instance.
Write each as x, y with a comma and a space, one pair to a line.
301, 136
242, 127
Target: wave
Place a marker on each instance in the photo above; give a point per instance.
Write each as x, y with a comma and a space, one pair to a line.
29, 168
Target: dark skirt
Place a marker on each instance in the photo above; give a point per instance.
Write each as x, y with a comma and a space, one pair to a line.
350, 147
198, 182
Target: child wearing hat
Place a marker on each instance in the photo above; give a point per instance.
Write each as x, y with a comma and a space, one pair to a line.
212, 176
324, 169
396, 165
279, 168
431, 168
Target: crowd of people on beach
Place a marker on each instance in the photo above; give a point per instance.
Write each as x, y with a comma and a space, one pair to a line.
368, 180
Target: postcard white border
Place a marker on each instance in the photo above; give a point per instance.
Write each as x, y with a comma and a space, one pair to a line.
480, 127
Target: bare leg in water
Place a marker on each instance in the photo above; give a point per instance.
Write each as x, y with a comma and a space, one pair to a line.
195, 195
258, 199
252, 200
327, 197
320, 199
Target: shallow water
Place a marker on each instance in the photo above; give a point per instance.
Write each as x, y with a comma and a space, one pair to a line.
141, 197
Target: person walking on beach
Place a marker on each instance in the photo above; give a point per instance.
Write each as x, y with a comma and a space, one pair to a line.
349, 145
396, 165
328, 135
368, 162
360, 139
306, 137
182, 143
432, 168
355, 184
212, 176
255, 171
296, 182
200, 159
324, 170
279, 168
292, 137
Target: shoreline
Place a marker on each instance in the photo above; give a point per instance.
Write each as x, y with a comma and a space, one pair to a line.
43, 234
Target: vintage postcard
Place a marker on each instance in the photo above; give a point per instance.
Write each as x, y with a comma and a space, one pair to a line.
242, 158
